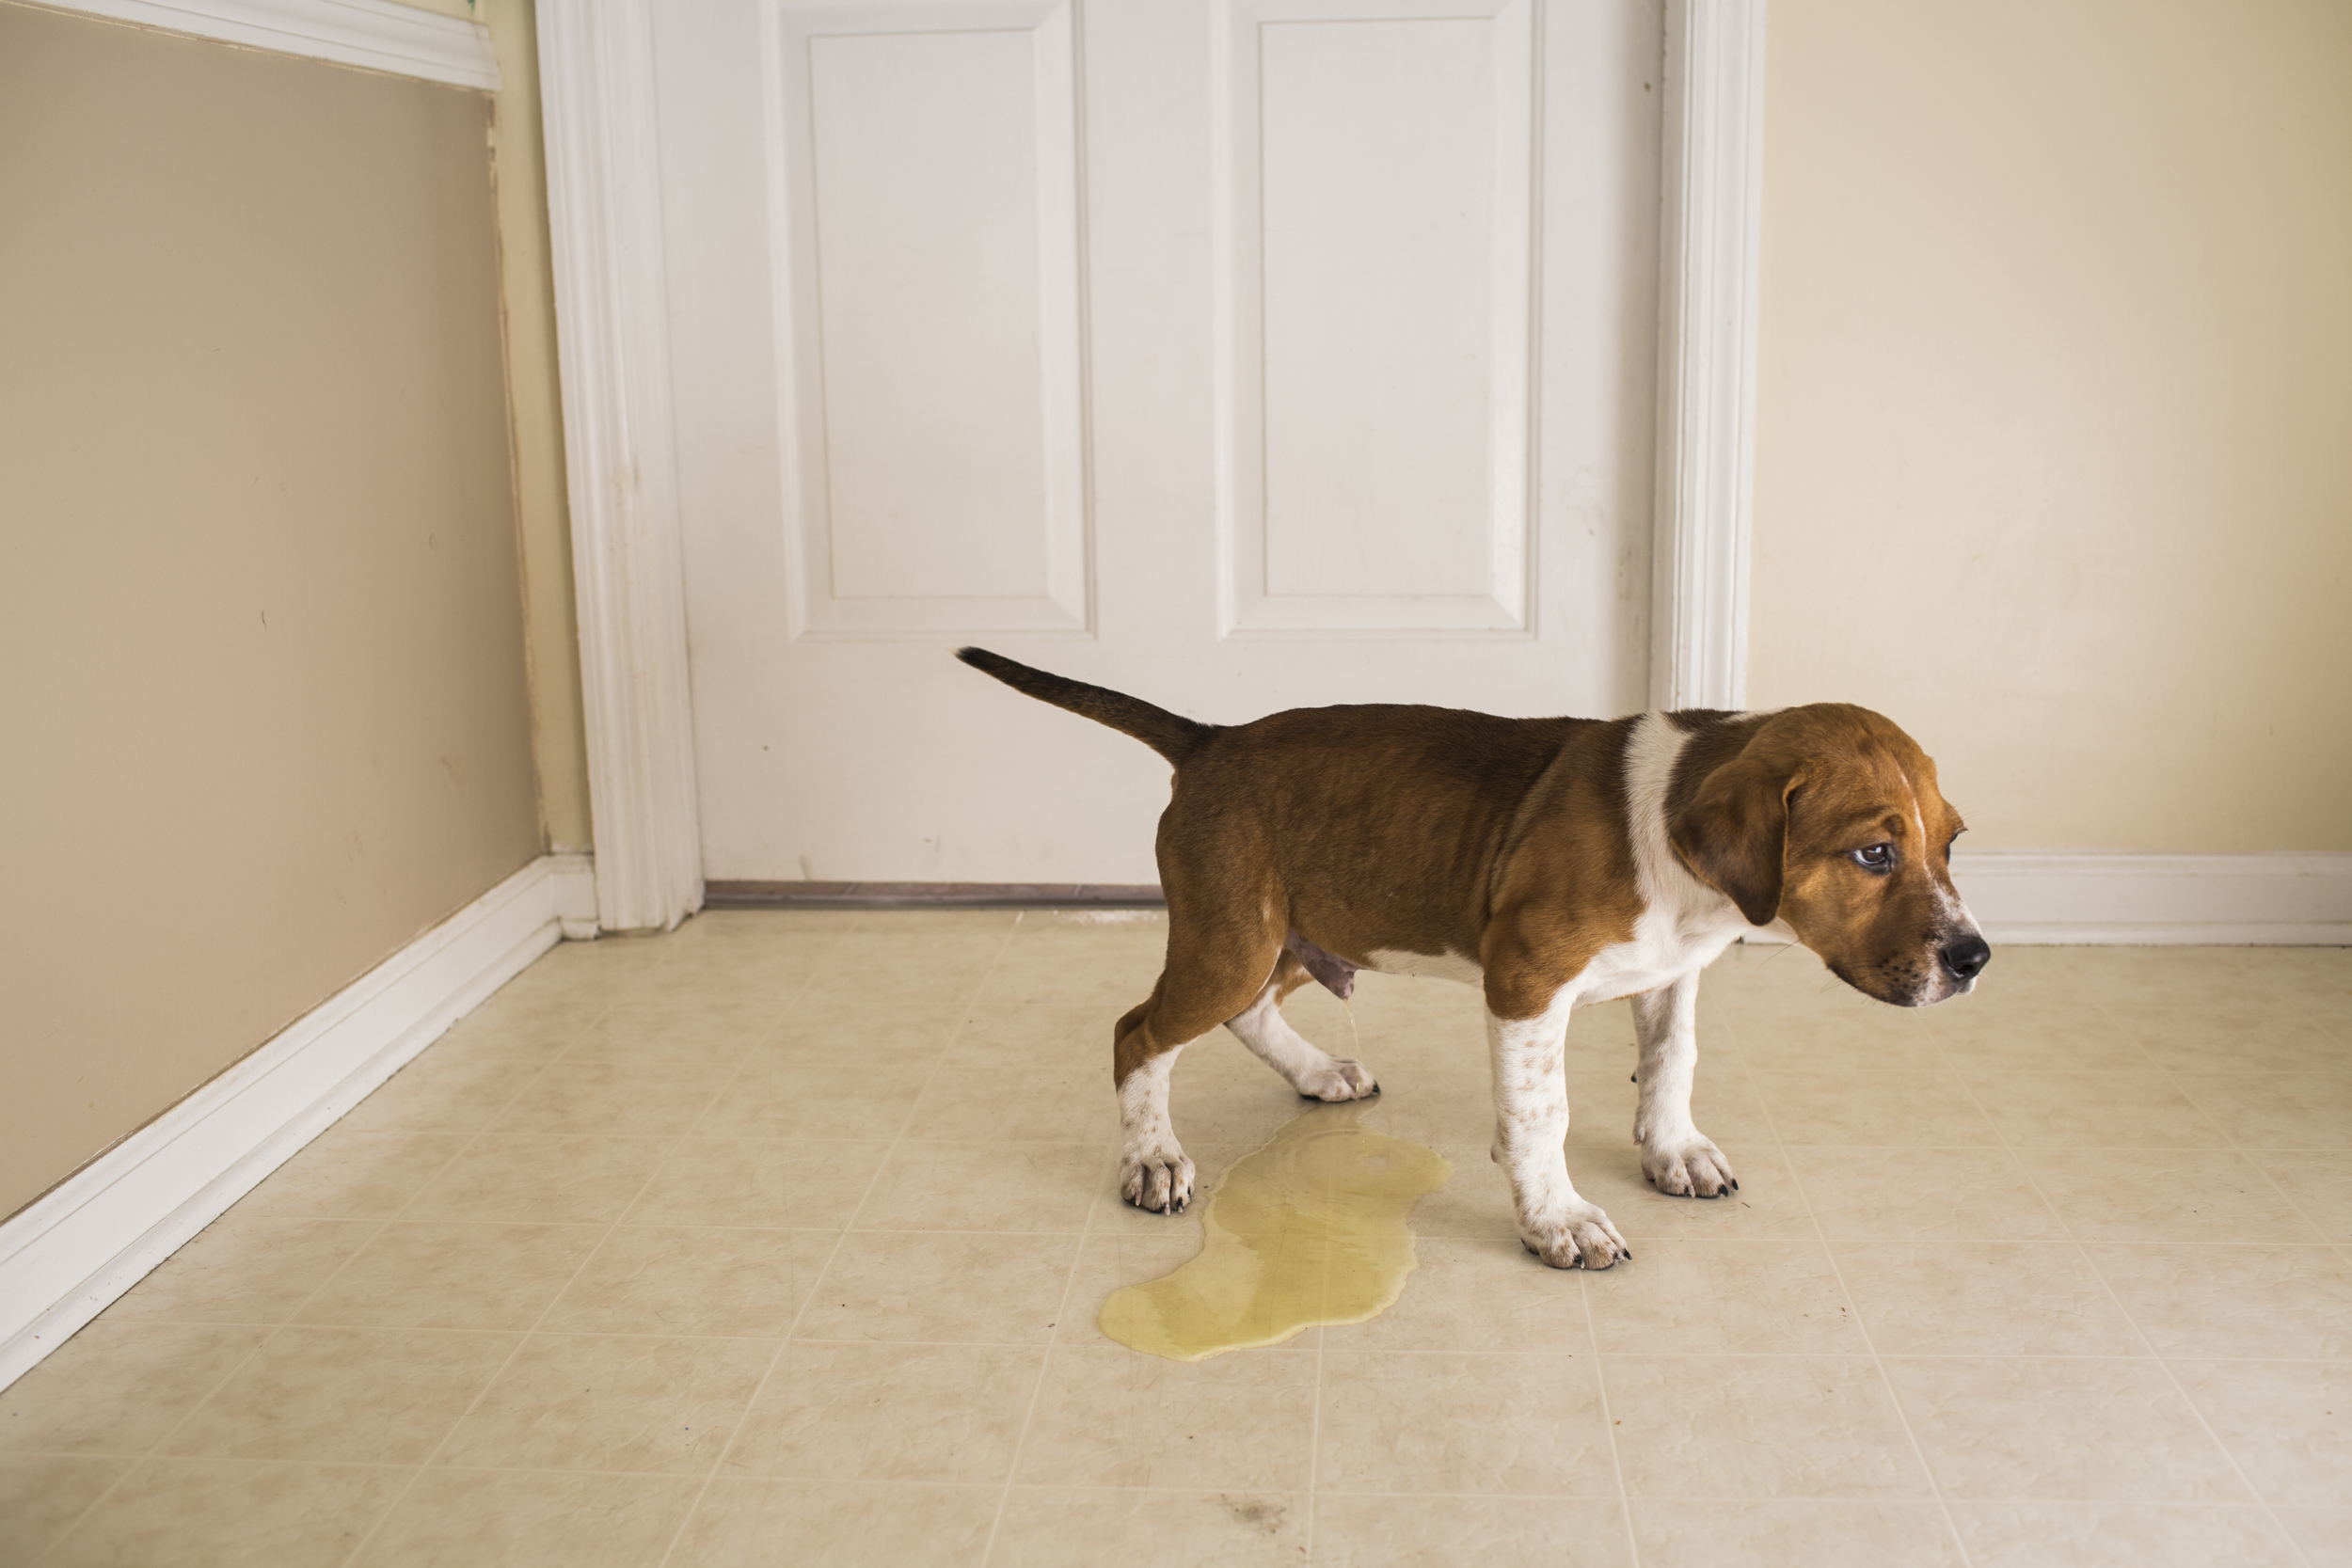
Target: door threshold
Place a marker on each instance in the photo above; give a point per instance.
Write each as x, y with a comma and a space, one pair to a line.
933, 896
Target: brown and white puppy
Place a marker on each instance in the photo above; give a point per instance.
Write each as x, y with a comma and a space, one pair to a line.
1549, 861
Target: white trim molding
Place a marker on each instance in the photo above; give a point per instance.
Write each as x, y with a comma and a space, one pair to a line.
374, 35
67, 1256
2090, 897
611, 315
1711, 215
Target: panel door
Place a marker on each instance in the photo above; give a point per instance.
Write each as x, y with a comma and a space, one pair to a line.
1243, 355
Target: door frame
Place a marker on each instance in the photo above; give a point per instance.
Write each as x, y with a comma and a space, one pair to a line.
604, 201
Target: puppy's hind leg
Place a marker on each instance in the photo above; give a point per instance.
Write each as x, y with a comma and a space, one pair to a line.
1269, 1037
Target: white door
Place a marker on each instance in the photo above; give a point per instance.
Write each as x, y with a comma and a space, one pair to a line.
1242, 354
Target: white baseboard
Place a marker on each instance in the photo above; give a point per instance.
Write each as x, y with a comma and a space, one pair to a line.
374, 35
2085, 897
67, 1256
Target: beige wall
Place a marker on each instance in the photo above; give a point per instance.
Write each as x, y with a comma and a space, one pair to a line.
263, 675
2054, 430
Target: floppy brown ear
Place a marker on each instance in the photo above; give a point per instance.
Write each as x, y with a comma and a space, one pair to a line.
1734, 834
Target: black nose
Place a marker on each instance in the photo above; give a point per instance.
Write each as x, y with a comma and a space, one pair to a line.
1967, 957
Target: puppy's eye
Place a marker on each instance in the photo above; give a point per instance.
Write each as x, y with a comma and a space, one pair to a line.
1877, 857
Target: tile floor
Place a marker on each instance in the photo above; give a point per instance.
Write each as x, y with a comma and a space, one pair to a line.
780, 1241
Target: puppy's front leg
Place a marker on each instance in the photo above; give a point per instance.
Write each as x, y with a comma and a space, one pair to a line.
1530, 1125
1676, 1156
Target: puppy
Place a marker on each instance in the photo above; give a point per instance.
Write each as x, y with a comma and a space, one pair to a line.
1548, 862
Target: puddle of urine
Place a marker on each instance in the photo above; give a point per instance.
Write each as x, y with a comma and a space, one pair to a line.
1308, 1231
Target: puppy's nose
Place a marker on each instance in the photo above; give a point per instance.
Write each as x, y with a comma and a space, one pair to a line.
1967, 957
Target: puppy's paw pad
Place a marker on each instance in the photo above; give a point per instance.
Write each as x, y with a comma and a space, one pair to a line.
1583, 1240
1688, 1167
1158, 1184
1341, 1080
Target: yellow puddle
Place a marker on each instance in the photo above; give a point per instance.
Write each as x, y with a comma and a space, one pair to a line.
1308, 1229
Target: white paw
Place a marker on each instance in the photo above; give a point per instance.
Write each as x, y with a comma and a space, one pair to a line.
1159, 1182
1341, 1080
1580, 1238
1687, 1165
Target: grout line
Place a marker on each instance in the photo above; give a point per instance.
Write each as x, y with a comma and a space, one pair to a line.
274, 1330
1608, 1420
784, 1345
2083, 1252
1894, 1396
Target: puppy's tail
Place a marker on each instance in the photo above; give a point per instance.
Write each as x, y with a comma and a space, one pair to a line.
1171, 735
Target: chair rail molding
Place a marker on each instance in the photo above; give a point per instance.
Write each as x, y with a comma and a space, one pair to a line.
374, 35
1710, 218
604, 202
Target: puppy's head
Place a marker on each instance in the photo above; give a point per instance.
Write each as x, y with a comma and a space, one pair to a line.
1830, 819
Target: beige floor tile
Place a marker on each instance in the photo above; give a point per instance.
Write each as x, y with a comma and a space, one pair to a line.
1111, 1214
2094, 1110
1921, 1193
357, 1396
652, 1280
1765, 1426
2246, 1034
1053, 1528
1010, 1035
910, 1412
1983, 1298
2288, 1424
1882, 1109
2162, 976
638, 1099
1476, 1294
795, 1523
444, 1094
1767, 1203
241, 1270
199, 1514
2253, 1301
1018, 1187
1986, 1038
1491, 1532
1600, 1108
884, 1030
943, 1287
1525, 1424
2164, 1196
1702, 1297
1054, 1104
2325, 1534
2059, 1430
524, 1021
612, 1402
837, 1097
670, 1027
119, 1387
531, 1521
1778, 1037
2091, 1535
2319, 1186
349, 1175
774, 1184
529, 1180
1243, 1421
2274, 1111
442, 1276
43, 1495
1760, 1534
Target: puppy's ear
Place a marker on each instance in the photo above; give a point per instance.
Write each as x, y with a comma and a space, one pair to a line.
1734, 834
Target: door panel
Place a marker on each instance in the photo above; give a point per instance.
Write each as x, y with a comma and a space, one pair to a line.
1243, 356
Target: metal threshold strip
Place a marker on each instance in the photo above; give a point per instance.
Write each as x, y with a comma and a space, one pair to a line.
931, 896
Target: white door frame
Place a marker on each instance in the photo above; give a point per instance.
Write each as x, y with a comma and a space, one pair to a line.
604, 199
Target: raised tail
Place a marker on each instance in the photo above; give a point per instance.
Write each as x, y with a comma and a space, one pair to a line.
1171, 735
